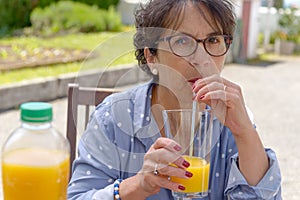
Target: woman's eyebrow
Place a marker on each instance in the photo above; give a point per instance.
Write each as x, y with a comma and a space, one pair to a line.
215, 33
208, 35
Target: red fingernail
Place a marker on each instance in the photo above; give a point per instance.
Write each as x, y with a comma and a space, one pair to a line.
181, 187
177, 147
193, 87
202, 97
186, 164
188, 174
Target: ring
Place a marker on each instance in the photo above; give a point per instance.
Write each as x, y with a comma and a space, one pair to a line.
155, 172
225, 87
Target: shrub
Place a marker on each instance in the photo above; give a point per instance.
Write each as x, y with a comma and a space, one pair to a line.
44, 3
112, 20
67, 16
105, 4
289, 24
260, 39
15, 14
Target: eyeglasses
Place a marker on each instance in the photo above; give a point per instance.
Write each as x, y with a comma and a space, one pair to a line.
185, 45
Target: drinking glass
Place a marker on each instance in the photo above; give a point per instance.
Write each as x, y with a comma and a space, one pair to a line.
193, 131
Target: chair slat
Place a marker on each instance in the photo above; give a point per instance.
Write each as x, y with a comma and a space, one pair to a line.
81, 96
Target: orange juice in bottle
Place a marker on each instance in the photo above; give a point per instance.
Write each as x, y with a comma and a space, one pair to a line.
35, 158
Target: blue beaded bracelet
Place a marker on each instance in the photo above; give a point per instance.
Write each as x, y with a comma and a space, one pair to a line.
116, 189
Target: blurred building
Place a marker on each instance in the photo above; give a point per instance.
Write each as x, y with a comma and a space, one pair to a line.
246, 36
127, 9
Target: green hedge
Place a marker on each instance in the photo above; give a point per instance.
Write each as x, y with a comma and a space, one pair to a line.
15, 14
68, 16
105, 4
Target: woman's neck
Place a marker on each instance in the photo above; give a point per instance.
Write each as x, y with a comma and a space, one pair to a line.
162, 99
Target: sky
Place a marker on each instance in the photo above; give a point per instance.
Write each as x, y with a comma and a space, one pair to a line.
289, 3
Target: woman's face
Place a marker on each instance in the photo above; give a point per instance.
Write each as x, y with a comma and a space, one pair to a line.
176, 72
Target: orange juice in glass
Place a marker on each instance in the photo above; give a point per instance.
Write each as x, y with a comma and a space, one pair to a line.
200, 170
193, 131
35, 174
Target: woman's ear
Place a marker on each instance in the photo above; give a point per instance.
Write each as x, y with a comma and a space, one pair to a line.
148, 55
151, 59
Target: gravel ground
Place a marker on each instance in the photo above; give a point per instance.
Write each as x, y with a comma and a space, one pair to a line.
271, 92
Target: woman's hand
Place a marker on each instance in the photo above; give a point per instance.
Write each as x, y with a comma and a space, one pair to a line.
156, 170
159, 157
226, 100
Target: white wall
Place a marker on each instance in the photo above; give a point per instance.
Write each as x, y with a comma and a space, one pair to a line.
253, 29
238, 6
254, 21
127, 9
268, 19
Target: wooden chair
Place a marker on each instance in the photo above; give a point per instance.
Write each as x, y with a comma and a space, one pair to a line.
81, 96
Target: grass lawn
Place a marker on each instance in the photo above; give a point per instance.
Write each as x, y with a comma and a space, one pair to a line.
107, 49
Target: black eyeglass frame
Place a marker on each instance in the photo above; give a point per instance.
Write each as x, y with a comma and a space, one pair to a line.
226, 38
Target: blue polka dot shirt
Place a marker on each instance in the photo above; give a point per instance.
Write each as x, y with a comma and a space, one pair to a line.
120, 132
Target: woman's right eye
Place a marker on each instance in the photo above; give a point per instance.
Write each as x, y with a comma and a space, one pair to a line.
181, 40
214, 40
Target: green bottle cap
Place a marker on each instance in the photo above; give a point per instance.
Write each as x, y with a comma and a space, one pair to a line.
36, 112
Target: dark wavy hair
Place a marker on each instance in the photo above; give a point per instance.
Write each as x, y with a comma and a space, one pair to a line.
154, 17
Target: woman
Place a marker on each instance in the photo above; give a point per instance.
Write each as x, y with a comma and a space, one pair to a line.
125, 138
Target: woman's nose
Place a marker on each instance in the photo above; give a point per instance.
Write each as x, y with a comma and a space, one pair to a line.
202, 61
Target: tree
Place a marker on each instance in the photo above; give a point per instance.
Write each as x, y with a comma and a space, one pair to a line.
278, 3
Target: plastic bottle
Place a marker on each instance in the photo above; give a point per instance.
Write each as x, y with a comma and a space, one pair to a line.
35, 157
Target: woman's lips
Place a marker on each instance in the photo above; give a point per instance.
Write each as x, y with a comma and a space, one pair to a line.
193, 80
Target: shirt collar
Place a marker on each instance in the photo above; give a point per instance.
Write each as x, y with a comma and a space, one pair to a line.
142, 105
145, 127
